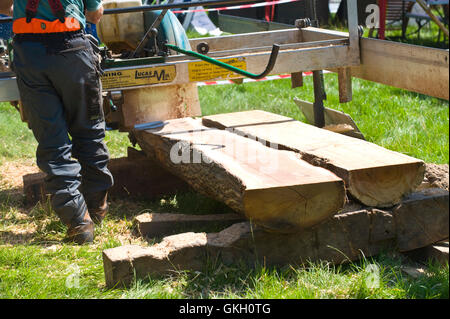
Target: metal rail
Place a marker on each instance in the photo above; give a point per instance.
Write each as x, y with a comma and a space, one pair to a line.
174, 5
161, 7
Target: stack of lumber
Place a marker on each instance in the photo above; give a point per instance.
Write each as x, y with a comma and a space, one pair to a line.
419, 220
273, 188
280, 173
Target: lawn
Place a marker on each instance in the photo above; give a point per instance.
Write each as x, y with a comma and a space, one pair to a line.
35, 264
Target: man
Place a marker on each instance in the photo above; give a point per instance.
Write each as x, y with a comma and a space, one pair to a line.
60, 91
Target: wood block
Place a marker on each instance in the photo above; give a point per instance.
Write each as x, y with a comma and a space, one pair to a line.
160, 103
34, 189
345, 85
273, 188
296, 80
372, 174
163, 224
135, 177
411, 220
342, 238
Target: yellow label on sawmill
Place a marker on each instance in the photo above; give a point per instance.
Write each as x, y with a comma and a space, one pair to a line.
138, 77
204, 71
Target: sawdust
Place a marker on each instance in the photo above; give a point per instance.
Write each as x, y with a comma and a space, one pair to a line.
437, 175
11, 173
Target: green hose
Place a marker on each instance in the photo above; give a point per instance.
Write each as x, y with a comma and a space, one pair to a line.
272, 59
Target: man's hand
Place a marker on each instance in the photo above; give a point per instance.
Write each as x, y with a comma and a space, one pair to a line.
6, 7
94, 16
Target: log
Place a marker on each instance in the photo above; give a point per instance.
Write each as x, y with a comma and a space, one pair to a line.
343, 238
372, 174
273, 188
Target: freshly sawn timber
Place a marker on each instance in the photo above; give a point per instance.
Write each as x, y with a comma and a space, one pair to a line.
273, 188
344, 237
373, 175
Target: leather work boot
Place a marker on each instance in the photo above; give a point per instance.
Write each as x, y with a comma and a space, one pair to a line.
97, 205
82, 233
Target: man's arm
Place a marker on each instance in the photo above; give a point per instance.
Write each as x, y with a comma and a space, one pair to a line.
94, 11
6, 7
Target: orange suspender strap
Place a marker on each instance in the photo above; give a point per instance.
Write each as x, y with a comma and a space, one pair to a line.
43, 26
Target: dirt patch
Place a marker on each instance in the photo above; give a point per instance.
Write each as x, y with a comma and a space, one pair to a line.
437, 175
15, 236
21, 227
11, 173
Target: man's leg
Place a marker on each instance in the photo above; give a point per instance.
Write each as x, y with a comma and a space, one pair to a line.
81, 91
46, 116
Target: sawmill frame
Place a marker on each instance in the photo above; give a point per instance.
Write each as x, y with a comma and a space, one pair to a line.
414, 68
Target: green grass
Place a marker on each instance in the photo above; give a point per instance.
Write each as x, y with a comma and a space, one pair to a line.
35, 264
13, 130
28, 271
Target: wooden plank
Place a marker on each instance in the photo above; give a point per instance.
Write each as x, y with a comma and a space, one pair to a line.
271, 187
374, 175
410, 67
343, 238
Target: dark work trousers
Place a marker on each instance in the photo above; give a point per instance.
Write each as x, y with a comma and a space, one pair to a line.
60, 91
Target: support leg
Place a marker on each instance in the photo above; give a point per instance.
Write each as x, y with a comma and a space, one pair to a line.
319, 97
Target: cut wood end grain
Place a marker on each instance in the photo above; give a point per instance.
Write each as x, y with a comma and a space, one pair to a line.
385, 186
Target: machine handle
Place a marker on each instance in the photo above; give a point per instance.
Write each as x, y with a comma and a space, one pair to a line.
269, 67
